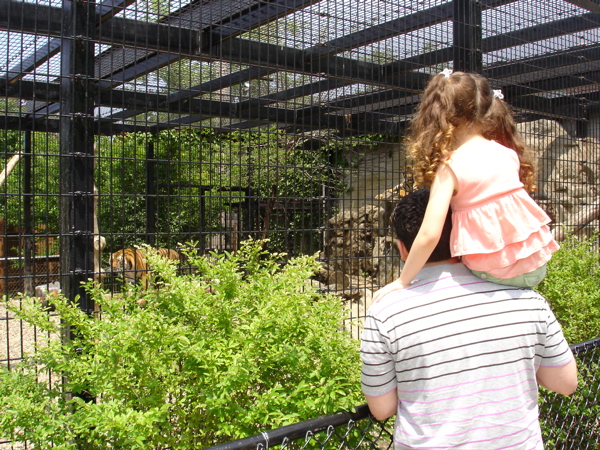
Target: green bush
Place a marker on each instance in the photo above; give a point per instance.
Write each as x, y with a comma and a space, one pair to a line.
572, 287
191, 362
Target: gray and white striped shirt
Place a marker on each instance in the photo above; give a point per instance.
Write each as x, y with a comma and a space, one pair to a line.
462, 353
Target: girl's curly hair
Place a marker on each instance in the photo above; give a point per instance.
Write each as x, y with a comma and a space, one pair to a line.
461, 99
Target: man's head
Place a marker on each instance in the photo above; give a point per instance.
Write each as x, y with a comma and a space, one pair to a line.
407, 218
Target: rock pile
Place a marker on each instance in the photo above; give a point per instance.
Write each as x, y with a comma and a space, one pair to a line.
360, 253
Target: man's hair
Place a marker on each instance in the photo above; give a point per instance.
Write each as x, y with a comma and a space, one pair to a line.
408, 217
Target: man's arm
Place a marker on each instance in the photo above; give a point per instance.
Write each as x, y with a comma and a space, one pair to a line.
561, 379
383, 406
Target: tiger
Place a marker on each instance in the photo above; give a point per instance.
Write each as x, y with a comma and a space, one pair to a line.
132, 263
169, 253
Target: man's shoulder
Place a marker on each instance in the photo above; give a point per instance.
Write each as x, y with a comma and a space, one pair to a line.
443, 281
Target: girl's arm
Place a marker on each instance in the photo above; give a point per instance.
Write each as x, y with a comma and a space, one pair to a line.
443, 187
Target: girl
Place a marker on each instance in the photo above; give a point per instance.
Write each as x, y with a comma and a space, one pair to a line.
466, 149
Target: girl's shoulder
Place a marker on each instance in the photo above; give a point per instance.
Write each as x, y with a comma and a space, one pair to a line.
479, 156
480, 147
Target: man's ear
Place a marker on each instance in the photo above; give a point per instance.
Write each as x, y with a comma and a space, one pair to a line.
403, 250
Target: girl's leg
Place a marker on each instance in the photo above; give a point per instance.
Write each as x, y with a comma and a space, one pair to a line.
526, 280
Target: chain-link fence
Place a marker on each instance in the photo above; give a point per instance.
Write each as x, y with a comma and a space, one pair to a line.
567, 422
573, 422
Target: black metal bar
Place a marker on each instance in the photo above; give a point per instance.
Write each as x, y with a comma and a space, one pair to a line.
295, 431
41, 19
255, 15
329, 115
562, 27
379, 32
588, 78
542, 64
548, 30
585, 346
467, 55
106, 10
47, 125
77, 151
27, 215
202, 219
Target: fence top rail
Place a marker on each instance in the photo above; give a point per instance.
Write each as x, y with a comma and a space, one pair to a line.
296, 431
583, 347
300, 429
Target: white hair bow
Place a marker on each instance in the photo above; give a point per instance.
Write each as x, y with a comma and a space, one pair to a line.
498, 94
446, 72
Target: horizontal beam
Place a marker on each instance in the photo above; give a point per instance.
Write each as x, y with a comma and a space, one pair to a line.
396, 27
590, 78
548, 62
256, 15
46, 20
522, 36
51, 125
275, 9
590, 5
314, 115
541, 32
106, 10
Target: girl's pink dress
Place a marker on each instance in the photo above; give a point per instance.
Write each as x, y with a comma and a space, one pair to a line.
496, 226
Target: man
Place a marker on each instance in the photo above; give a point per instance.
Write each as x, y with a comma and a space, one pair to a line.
458, 359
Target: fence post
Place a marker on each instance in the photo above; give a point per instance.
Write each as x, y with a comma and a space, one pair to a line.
77, 150
467, 28
28, 253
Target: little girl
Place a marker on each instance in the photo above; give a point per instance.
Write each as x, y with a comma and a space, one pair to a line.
466, 149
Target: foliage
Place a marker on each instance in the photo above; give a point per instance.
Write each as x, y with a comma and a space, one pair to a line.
198, 176
572, 422
120, 180
572, 288
44, 180
189, 363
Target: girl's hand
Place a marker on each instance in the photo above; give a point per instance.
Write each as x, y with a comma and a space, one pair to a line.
393, 286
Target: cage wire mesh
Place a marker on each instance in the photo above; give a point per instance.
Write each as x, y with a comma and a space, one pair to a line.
164, 123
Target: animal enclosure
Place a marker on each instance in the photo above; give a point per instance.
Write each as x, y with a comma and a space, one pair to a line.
211, 122
205, 123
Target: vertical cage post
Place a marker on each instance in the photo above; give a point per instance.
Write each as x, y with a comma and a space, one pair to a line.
77, 150
467, 28
27, 216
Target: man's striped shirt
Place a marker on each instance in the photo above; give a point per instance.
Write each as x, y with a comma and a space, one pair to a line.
462, 353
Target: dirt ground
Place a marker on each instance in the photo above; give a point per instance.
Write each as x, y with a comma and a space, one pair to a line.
17, 339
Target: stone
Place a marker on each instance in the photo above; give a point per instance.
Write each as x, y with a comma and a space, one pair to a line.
42, 291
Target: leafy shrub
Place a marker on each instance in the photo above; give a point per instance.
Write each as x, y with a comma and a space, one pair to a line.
572, 287
189, 363
572, 422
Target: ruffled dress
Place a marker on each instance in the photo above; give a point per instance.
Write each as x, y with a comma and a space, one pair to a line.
496, 226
